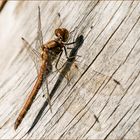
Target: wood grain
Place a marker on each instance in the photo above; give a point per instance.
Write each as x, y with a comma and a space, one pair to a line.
102, 100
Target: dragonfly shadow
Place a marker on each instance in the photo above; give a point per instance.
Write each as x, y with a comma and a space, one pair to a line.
69, 62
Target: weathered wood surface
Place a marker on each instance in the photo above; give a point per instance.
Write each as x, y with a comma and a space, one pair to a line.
111, 31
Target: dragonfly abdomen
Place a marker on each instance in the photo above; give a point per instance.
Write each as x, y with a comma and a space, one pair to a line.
31, 97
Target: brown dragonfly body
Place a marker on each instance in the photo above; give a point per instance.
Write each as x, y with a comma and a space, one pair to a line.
49, 52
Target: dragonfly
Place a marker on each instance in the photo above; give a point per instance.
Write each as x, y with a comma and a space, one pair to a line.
46, 53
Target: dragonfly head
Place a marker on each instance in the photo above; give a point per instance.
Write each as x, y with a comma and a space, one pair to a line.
62, 34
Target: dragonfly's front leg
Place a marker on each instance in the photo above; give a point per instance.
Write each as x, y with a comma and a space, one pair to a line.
56, 65
65, 49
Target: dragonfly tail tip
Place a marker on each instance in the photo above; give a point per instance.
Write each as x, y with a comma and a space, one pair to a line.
15, 126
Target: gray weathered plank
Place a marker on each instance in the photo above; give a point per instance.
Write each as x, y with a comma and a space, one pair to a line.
111, 47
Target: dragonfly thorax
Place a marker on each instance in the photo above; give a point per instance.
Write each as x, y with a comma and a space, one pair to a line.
53, 48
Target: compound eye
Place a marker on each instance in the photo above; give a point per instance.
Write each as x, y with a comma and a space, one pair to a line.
58, 32
62, 33
65, 34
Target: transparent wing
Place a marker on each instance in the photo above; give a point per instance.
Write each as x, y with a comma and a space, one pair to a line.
39, 44
45, 89
39, 41
35, 55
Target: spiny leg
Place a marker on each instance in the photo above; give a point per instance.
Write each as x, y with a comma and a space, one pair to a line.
58, 69
65, 49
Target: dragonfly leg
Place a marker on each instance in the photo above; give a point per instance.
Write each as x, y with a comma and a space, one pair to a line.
69, 43
65, 49
58, 69
74, 56
56, 65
